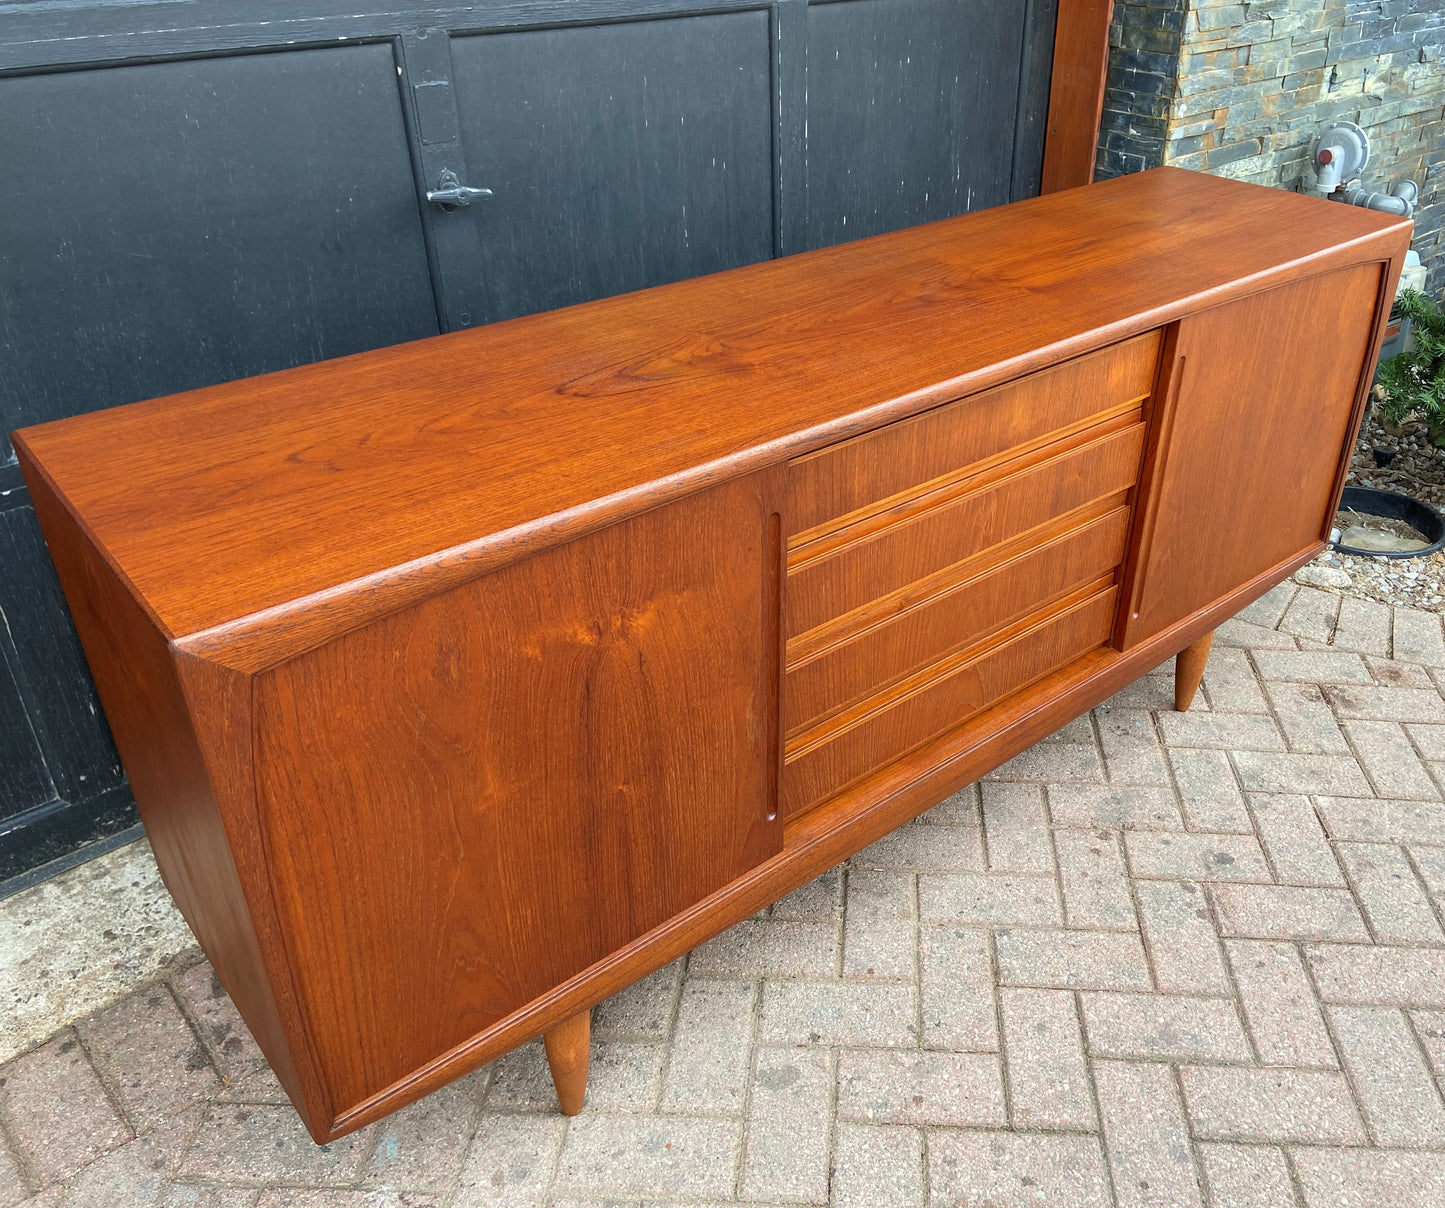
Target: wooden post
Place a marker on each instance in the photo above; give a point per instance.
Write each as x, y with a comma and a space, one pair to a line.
567, 1046
1189, 670
1076, 93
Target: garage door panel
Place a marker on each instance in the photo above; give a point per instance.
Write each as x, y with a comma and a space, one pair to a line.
911, 112
171, 225
620, 156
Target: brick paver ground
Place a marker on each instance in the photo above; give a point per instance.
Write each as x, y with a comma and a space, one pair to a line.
1158, 959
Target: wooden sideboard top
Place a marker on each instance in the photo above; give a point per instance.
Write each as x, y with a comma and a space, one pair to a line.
257, 518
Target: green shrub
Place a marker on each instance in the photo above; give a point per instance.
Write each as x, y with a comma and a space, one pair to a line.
1414, 381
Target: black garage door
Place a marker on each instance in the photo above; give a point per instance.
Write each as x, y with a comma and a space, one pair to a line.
197, 191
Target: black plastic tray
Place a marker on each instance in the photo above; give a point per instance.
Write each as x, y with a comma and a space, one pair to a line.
1421, 517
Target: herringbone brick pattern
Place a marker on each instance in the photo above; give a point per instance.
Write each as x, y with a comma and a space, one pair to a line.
1158, 959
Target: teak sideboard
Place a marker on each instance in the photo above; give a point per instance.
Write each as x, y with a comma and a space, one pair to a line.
462, 683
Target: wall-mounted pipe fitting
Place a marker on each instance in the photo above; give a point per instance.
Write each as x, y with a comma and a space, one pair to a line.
1327, 169
1399, 200
1340, 155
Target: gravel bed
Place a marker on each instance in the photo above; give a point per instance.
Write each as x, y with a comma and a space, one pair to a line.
1417, 470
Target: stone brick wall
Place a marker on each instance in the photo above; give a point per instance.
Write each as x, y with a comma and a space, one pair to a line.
1242, 89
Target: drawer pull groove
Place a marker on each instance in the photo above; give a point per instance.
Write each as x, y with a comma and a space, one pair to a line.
857, 526
821, 640
921, 681
861, 741
844, 483
858, 573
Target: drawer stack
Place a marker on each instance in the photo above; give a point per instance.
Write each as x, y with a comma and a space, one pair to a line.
944, 562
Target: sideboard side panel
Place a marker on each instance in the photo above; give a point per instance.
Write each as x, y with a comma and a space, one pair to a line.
1260, 414
471, 801
172, 754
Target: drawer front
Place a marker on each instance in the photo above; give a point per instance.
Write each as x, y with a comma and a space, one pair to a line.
837, 485
940, 564
894, 550
846, 747
894, 643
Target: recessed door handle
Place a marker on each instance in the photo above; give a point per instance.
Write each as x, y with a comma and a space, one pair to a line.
451, 193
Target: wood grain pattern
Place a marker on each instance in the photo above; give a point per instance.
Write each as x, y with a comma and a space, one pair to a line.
1076, 92
240, 526
917, 544
1247, 473
848, 482
821, 761
474, 800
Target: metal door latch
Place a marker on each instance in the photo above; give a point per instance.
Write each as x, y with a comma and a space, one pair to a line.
451, 193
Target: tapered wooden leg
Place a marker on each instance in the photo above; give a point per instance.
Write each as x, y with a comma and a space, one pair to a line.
567, 1049
1189, 670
